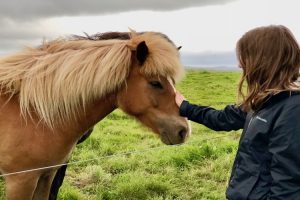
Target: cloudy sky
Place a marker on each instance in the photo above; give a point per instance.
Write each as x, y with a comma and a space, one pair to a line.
207, 29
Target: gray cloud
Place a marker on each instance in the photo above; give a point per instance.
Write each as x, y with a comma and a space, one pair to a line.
33, 9
18, 30
15, 34
21, 21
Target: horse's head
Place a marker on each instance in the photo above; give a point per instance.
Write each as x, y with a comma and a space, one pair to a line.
149, 94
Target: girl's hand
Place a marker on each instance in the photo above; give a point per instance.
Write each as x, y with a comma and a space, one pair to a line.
179, 98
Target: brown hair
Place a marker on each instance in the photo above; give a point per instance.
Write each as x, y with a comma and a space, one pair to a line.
270, 59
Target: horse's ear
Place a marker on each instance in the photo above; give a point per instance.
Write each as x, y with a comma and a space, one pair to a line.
142, 52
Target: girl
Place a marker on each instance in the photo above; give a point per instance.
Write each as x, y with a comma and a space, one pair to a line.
267, 164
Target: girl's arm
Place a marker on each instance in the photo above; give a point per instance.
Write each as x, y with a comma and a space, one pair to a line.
230, 118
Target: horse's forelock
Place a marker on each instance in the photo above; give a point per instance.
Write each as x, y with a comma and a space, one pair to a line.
163, 58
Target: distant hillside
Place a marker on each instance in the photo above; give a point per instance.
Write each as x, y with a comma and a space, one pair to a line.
210, 60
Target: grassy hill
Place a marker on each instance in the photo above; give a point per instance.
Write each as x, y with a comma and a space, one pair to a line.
198, 169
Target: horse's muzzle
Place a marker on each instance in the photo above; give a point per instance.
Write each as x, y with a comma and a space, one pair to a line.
174, 132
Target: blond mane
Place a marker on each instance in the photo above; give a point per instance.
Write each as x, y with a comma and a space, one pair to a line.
58, 79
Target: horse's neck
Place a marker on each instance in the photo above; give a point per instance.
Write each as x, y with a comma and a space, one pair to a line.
96, 112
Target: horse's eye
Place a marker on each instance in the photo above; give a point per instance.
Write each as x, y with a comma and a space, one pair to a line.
156, 84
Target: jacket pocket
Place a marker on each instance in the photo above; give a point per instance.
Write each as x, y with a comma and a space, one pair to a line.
241, 184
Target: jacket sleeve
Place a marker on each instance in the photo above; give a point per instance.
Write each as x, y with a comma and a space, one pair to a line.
228, 119
284, 146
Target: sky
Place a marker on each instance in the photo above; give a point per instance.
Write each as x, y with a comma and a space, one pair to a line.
207, 30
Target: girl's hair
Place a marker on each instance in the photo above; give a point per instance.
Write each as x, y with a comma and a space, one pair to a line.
270, 59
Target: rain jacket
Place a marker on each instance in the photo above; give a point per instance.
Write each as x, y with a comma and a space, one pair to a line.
267, 163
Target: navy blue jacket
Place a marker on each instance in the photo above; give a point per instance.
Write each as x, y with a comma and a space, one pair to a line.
267, 163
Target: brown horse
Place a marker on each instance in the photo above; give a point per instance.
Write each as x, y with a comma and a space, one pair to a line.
52, 94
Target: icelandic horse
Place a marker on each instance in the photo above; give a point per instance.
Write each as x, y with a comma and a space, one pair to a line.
51, 94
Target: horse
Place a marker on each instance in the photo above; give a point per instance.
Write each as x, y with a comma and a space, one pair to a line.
50, 95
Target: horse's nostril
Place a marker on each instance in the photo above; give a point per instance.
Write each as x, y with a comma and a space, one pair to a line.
182, 133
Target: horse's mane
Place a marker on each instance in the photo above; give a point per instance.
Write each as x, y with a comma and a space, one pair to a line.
59, 78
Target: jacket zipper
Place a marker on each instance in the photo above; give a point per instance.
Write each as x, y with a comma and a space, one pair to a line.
250, 121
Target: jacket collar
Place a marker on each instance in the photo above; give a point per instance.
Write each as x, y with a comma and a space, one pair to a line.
275, 98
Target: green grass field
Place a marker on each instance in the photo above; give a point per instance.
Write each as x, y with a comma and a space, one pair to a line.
196, 170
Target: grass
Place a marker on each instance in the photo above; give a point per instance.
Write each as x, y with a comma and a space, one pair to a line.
198, 169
